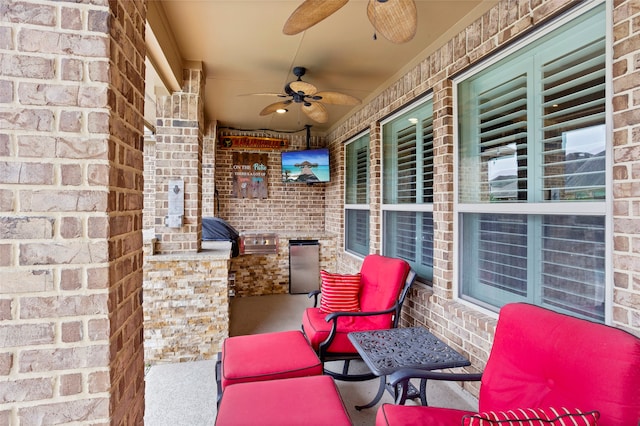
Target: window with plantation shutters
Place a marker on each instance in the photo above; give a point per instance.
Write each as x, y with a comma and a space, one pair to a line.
357, 196
573, 117
531, 173
408, 179
406, 165
427, 161
572, 264
503, 139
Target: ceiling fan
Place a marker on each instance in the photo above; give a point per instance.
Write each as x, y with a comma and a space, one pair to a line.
307, 95
396, 20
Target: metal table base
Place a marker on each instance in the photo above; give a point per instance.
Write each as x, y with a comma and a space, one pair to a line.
386, 351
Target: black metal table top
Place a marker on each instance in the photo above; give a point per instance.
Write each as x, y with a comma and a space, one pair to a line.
386, 351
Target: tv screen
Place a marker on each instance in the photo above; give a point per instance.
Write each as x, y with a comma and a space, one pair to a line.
308, 166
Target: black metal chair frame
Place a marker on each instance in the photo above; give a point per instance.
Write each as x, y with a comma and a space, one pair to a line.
323, 348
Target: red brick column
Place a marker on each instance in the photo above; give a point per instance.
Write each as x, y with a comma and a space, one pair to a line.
209, 198
71, 101
179, 156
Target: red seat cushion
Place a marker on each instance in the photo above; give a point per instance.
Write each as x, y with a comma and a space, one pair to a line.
412, 415
267, 356
312, 401
317, 329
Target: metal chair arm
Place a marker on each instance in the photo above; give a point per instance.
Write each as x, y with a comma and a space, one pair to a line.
335, 315
400, 380
416, 373
314, 294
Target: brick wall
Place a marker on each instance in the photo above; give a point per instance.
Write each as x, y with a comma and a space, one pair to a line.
288, 207
149, 219
465, 328
209, 198
293, 211
71, 100
626, 169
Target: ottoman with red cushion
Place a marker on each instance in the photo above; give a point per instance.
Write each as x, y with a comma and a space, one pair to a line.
267, 356
308, 401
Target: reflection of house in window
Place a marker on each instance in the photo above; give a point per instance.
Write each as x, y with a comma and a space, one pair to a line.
585, 162
503, 173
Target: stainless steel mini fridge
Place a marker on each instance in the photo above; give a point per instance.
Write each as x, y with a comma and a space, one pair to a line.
304, 266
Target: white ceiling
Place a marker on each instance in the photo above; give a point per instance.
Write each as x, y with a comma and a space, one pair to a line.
243, 51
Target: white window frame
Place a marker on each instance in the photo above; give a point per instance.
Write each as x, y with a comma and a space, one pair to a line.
602, 209
415, 208
362, 207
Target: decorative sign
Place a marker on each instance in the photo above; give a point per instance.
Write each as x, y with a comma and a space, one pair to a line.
251, 142
249, 174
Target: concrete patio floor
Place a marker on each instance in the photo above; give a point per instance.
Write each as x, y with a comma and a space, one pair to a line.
185, 393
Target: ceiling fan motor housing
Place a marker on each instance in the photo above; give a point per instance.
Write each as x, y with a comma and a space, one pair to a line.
299, 71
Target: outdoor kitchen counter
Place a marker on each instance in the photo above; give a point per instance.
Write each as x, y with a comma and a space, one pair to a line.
264, 274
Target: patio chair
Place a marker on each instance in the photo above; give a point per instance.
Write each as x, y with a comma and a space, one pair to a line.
370, 300
544, 368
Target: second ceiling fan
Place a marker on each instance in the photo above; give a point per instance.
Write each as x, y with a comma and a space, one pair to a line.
310, 99
395, 20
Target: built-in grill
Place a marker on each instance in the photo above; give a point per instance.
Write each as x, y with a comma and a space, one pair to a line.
258, 243
216, 229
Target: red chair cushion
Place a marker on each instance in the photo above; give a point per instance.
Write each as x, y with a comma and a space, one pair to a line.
339, 292
312, 401
414, 415
533, 417
540, 358
267, 356
317, 329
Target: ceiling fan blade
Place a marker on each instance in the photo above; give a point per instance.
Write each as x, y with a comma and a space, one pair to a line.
396, 20
303, 86
270, 109
316, 111
309, 13
280, 95
336, 98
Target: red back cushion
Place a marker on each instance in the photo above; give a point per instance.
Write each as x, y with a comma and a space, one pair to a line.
382, 278
339, 292
540, 359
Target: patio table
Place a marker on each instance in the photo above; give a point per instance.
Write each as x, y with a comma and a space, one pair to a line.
386, 351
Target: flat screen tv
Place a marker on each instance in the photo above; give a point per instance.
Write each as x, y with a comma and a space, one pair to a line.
308, 166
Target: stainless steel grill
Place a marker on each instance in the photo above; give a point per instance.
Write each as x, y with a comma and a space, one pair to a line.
258, 243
